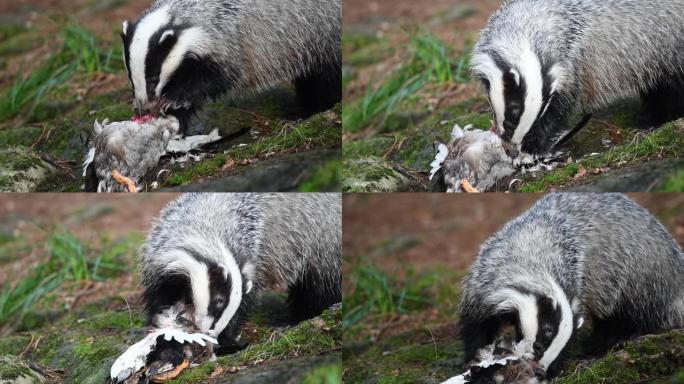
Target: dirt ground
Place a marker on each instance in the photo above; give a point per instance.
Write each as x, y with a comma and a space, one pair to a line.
448, 230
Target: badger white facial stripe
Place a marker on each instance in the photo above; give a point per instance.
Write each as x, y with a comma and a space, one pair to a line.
565, 328
140, 46
526, 306
235, 291
190, 40
485, 65
197, 272
533, 99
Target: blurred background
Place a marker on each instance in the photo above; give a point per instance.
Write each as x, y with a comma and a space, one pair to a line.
61, 68
404, 258
407, 82
70, 298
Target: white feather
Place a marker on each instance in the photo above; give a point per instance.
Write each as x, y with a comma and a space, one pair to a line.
442, 154
457, 132
460, 379
135, 357
90, 156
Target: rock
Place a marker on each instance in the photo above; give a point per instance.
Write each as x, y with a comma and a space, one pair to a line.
284, 173
22, 170
15, 371
644, 177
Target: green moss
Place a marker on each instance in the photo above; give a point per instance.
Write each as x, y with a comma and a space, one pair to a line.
308, 338
120, 321
319, 131
13, 345
326, 178
546, 181
328, 374
196, 375
664, 142
203, 169
19, 159
375, 146
13, 370
22, 136
371, 173
652, 356
674, 183
96, 350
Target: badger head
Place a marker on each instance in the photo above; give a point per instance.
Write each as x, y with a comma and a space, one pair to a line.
546, 322
170, 65
524, 92
213, 292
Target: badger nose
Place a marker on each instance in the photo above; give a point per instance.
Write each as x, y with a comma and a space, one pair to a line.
539, 373
141, 109
538, 348
512, 152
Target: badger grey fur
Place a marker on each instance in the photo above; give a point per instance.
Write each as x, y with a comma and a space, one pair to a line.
547, 63
180, 53
214, 254
573, 257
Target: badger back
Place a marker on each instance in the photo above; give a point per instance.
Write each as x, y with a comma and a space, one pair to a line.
303, 234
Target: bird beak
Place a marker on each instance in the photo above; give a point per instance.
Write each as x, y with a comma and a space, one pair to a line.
123, 180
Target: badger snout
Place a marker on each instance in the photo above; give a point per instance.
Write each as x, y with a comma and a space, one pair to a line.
512, 150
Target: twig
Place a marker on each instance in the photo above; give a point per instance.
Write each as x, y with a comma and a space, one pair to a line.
28, 347
43, 136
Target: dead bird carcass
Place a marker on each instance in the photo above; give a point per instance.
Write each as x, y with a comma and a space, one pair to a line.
503, 362
123, 152
474, 161
165, 352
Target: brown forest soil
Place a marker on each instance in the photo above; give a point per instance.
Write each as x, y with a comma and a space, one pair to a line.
448, 230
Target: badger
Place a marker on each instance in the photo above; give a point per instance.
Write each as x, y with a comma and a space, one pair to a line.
547, 64
181, 53
573, 257
209, 256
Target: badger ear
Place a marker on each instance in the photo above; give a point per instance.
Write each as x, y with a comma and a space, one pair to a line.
557, 75
124, 29
168, 33
511, 79
248, 271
